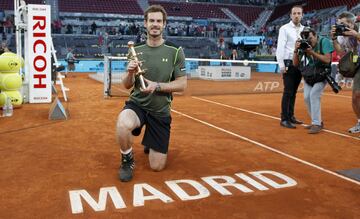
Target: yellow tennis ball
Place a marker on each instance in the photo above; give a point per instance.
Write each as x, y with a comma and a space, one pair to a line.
14, 55
10, 81
10, 62
3, 97
15, 96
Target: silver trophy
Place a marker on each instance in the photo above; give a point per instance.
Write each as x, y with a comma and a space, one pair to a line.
133, 56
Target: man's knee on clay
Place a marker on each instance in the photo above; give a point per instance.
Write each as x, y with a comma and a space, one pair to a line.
157, 160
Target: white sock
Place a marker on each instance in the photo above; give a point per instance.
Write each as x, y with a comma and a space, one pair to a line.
127, 151
358, 121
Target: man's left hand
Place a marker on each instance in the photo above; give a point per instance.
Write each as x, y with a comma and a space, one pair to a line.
150, 88
350, 32
309, 51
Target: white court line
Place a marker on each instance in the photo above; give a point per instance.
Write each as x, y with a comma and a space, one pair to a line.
337, 95
269, 148
260, 114
272, 117
265, 146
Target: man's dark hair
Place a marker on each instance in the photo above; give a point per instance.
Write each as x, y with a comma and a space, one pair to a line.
297, 6
348, 15
155, 8
312, 31
306, 31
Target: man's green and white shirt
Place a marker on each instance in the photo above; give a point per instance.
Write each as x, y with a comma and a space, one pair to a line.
161, 64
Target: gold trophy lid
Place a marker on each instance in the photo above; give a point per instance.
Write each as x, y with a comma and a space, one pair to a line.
130, 43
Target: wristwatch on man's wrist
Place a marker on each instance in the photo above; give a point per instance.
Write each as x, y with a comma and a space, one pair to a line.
158, 88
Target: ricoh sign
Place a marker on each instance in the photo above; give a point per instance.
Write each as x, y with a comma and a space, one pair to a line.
39, 53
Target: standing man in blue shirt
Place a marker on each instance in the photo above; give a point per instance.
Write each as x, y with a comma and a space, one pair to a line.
318, 55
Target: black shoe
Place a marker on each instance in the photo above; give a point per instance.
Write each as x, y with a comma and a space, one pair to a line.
127, 166
287, 124
295, 121
146, 150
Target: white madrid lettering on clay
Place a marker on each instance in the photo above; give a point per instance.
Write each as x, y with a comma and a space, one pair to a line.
258, 180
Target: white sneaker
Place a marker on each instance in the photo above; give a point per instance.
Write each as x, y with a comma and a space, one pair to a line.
355, 129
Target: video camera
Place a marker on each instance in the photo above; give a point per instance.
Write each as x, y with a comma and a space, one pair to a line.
331, 81
340, 29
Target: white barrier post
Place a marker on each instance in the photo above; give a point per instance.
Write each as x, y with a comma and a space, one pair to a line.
106, 76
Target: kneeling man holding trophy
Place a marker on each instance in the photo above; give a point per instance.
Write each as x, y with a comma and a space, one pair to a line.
156, 68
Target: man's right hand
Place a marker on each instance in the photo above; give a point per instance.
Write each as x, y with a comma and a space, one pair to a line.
350, 32
132, 67
283, 70
297, 45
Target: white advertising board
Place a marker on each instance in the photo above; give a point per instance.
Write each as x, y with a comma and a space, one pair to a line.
225, 72
39, 53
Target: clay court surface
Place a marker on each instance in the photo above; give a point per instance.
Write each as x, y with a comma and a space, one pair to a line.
41, 161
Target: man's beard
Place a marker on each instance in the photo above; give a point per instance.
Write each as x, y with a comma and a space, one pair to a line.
297, 21
155, 35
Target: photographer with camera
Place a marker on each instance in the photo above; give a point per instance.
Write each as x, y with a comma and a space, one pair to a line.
313, 54
288, 34
346, 38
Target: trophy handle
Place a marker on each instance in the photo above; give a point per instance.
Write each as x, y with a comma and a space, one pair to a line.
142, 82
140, 71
